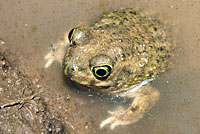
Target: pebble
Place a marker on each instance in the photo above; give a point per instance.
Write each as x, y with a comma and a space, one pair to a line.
2, 42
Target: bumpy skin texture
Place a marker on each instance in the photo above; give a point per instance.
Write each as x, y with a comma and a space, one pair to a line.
134, 46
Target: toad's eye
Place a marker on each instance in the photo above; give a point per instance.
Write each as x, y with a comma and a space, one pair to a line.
70, 35
101, 72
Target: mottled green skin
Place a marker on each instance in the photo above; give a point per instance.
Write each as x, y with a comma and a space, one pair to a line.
138, 43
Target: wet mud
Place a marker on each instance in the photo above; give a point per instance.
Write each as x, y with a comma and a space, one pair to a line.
22, 109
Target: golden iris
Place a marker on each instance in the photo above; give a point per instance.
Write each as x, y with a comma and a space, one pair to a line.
101, 72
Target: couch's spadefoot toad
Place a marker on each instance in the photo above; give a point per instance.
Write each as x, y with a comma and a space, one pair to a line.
120, 54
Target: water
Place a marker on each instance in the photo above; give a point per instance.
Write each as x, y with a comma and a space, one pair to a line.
29, 27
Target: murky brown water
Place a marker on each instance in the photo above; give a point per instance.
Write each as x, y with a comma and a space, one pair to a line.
29, 27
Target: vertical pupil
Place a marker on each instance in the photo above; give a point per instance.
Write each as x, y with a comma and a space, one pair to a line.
70, 34
101, 72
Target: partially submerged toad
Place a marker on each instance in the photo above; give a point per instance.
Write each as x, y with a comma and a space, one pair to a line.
120, 54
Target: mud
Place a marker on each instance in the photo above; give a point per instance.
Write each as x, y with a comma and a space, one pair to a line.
22, 109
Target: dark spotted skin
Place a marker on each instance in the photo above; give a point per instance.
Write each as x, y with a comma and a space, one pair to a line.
138, 43
130, 47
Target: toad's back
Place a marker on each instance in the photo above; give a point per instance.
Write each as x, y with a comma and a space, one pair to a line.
139, 45
120, 54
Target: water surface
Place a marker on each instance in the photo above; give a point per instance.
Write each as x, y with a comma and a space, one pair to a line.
29, 27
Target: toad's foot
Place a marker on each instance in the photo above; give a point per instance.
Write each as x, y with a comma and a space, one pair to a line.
56, 53
144, 99
118, 117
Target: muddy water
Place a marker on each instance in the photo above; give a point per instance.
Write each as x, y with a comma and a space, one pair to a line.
29, 27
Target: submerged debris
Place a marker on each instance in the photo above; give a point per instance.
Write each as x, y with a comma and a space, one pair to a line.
2, 42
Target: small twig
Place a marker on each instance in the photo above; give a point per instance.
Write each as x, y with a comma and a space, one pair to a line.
11, 104
20, 106
70, 124
21, 101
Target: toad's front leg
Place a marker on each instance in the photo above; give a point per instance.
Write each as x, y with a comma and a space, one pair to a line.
143, 100
57, 52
